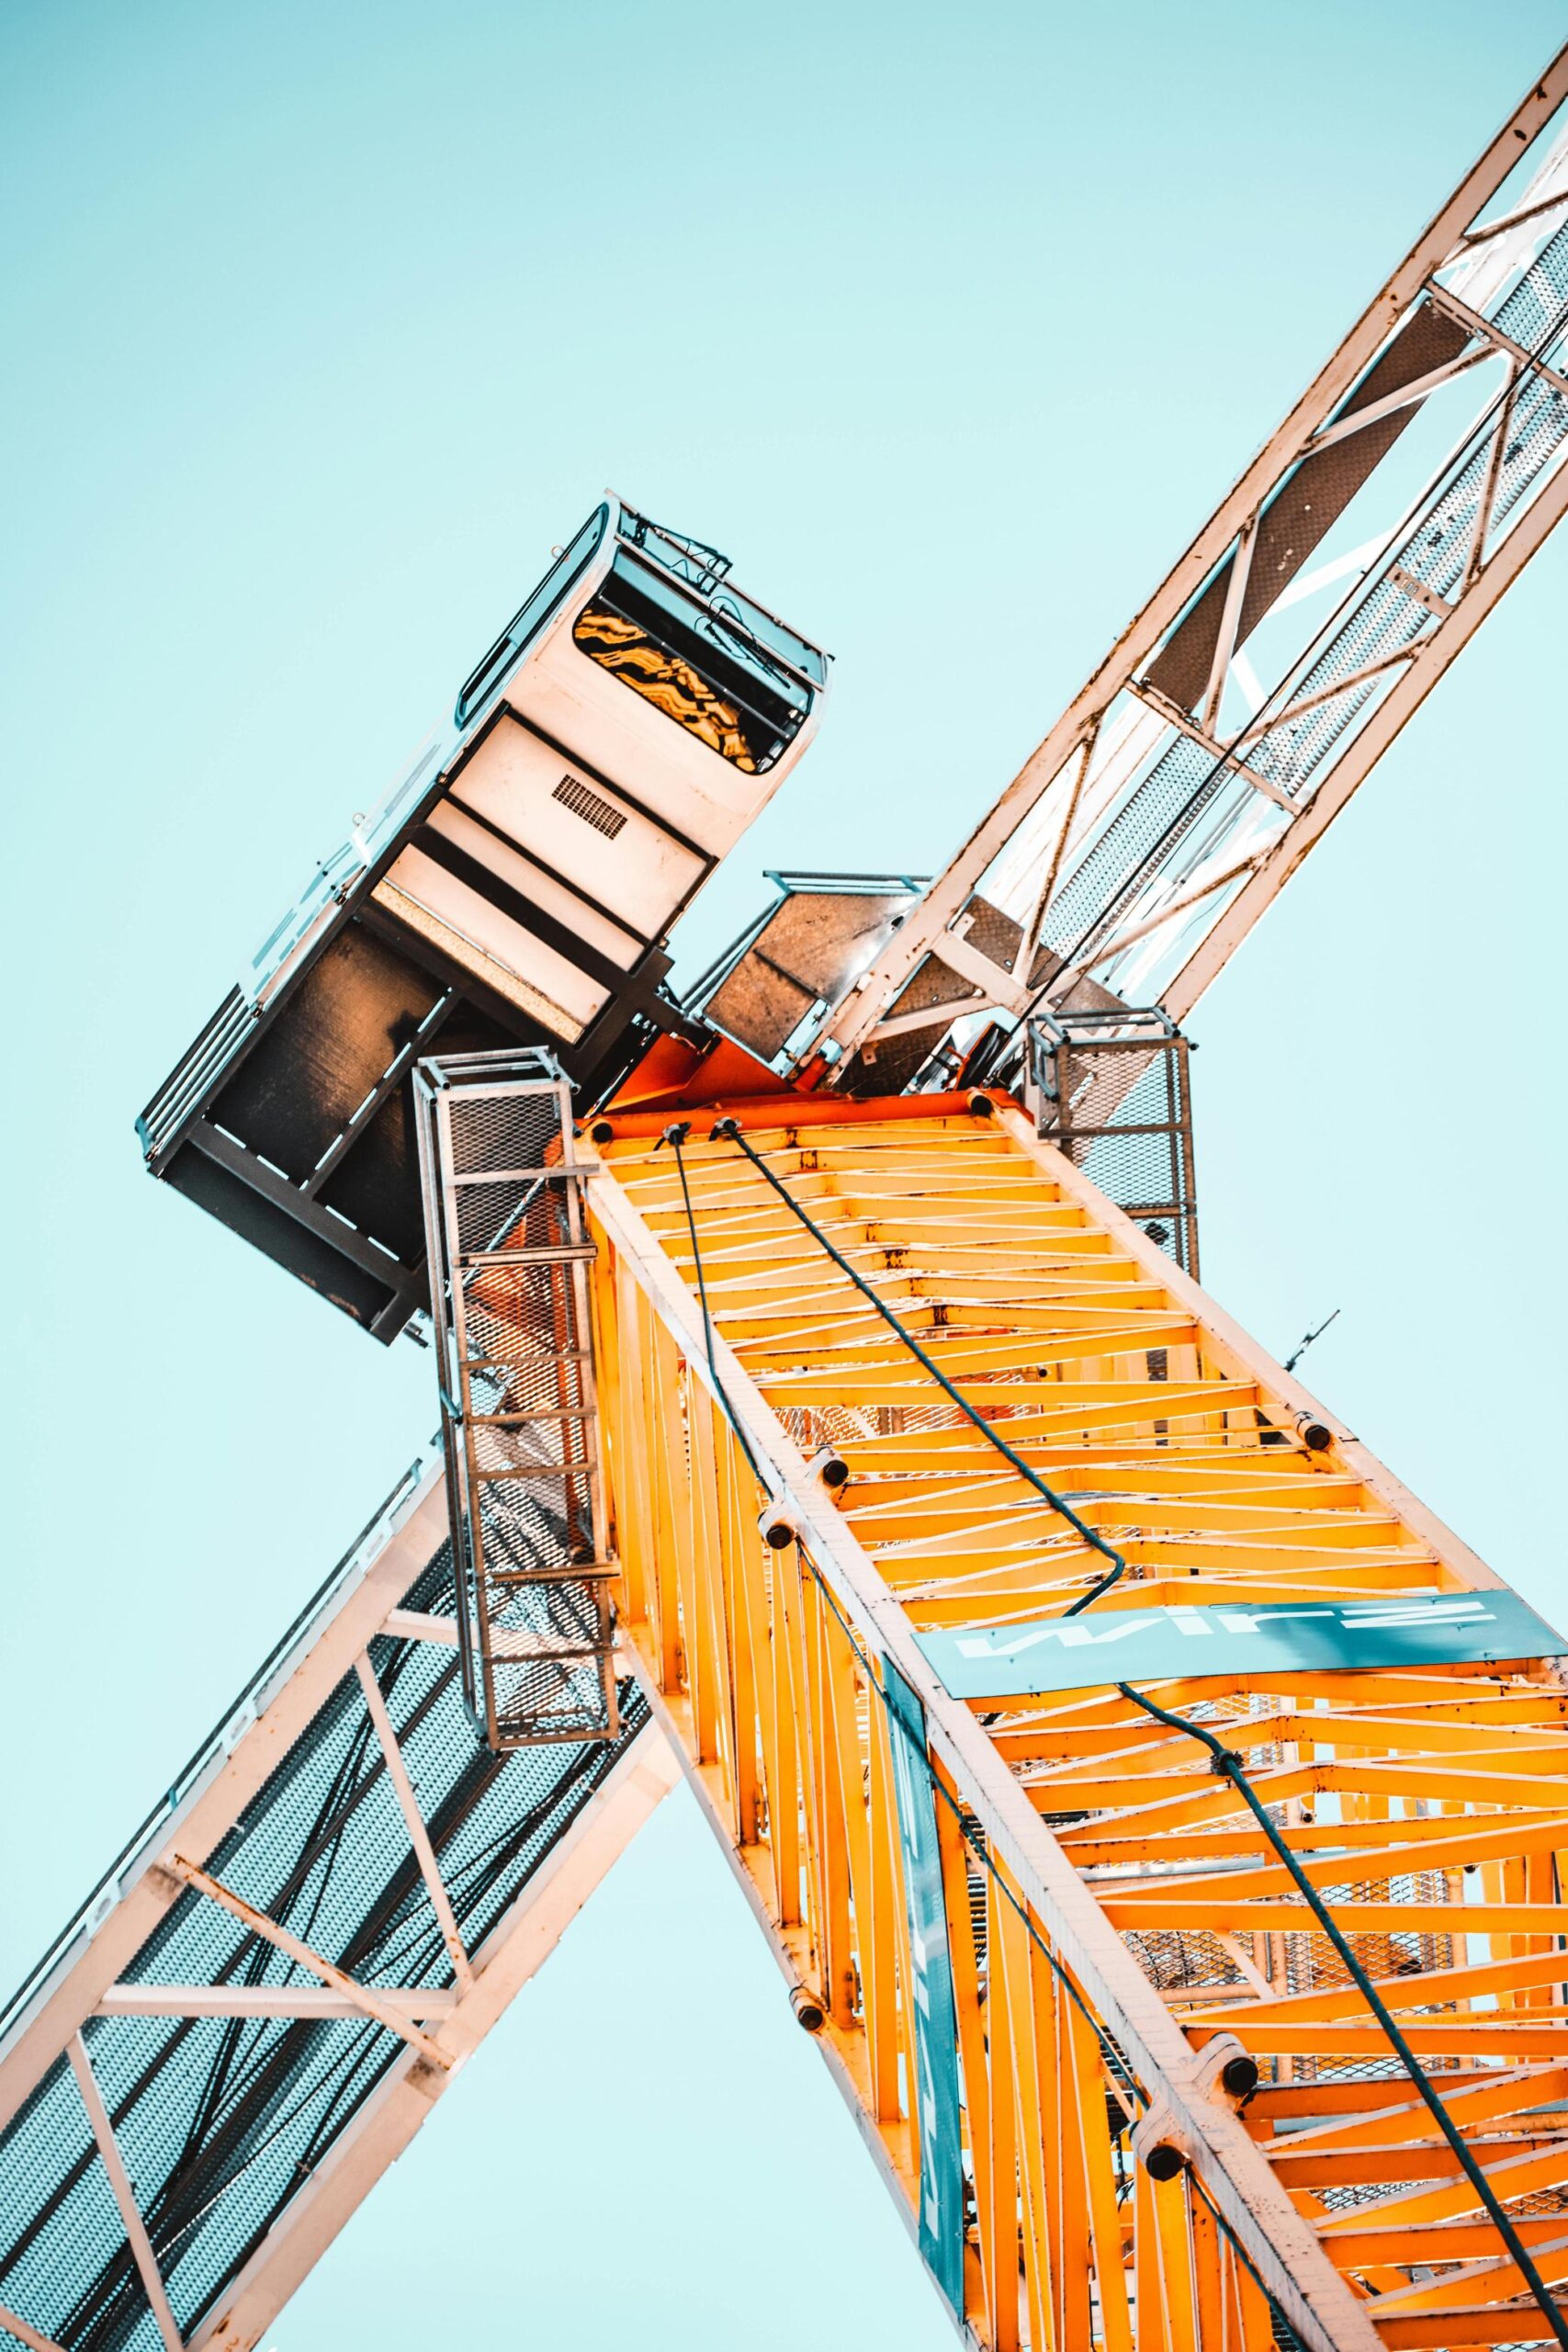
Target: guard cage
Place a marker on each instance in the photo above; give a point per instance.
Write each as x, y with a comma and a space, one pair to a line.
509, 1253
1110, 1087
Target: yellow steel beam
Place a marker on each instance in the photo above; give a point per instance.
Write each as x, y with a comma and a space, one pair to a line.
1111, 1910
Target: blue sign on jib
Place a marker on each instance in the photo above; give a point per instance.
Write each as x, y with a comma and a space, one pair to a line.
935, 2010
1121, 1645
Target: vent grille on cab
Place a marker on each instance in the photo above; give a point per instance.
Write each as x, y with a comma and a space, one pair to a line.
589, 806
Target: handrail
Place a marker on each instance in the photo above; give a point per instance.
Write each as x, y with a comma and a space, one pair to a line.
425, 1463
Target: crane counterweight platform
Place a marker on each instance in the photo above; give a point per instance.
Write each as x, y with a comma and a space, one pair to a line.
1159, 1817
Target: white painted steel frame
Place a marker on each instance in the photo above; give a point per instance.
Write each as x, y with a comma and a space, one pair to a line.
395, 2109
441, 2026
113, 2162
1455, 235
26, 2333
1425, 666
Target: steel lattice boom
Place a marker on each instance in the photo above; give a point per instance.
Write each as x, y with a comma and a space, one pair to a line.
259, 2005
1117, 1928
1216, 2005
1310, 618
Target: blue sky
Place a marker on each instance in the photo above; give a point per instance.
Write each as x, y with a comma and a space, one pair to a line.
324, 323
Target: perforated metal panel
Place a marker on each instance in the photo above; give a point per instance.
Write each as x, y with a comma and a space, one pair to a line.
1110, 1089
509, 1251
223, 2122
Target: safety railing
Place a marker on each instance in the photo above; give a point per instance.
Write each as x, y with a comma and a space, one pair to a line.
508, 1252
1112, 1088
269, 1676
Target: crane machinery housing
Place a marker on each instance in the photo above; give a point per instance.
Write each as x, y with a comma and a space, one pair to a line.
1157, 1815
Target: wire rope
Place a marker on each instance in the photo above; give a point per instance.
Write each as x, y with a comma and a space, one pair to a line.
729, 1131
1225, 1762
1227, 1765
675, 1136
1115, 2060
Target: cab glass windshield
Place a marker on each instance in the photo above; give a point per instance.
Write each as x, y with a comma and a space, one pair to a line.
697, 662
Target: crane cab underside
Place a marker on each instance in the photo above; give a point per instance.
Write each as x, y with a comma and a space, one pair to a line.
517, 887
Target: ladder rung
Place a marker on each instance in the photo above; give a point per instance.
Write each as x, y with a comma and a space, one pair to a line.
566, 1253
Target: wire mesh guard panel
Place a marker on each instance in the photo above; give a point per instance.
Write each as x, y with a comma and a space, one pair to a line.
223, 2122
1112, 1091
509, 1254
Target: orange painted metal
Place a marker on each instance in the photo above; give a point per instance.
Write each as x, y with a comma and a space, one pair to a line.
791, 1111
1427, 1805
674, 1073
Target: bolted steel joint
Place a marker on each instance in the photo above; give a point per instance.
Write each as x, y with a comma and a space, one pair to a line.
829, 1469
777, 1526
1160, 2144
1228, 2070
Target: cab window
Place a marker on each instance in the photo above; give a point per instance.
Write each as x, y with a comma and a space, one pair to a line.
707, 674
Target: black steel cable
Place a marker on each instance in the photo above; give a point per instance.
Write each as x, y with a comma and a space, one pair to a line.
1116, 2063
729, 1131
1115, 2060
1227, 1765
675, 1136
1223, 1761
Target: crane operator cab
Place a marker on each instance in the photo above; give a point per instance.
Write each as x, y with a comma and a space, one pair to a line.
617, 739
517, 886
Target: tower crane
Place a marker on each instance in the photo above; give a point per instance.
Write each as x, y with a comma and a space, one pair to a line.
1156, 1812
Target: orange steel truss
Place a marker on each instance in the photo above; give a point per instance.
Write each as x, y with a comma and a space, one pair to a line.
1113, 1911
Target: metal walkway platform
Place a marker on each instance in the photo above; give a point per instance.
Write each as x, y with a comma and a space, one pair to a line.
255, 2010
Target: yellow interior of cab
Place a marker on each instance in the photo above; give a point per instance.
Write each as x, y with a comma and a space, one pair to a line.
663, 679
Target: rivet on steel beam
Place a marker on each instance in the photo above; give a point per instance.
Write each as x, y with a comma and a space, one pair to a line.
830, 1469
1239, 2074
1226, 2066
